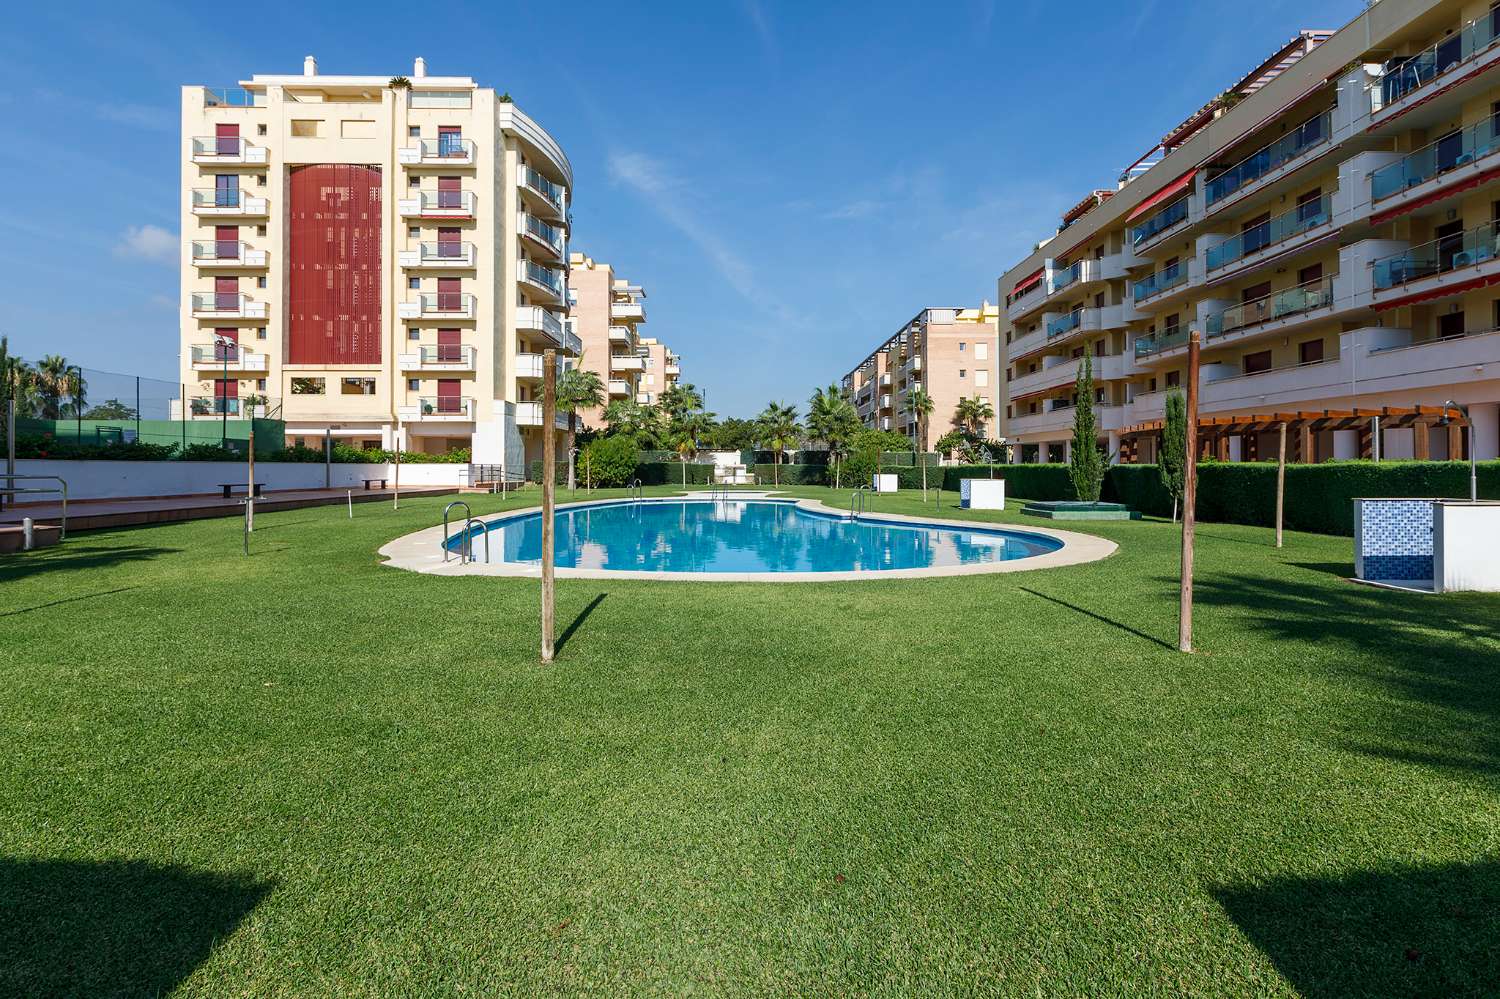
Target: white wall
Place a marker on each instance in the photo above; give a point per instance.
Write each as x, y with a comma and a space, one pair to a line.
122, 479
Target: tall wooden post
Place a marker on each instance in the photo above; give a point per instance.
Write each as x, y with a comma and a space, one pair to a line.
396, 503
1189, 499
250, 493
1280, 480
549, 474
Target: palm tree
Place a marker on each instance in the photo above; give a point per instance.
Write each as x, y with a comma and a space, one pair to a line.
677, 401
55, 378
17, 380
919, 404
577, 389
779, 428
685, 437
973, 415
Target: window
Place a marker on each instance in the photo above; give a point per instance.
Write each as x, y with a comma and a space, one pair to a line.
414, 284
307, 386
1257, 362
981, 377
450, 140
413, 131
962, 373
356, 386
260, 282
260, 130
981, 352
1256, 292
1308, 275
414, 384
961, 346
260, 333
260, 384
414, 182
1256, 233
413, 334
260, 180
1450, 325
1309, 205
1310, 351
260, 230
1174, 379
306, 128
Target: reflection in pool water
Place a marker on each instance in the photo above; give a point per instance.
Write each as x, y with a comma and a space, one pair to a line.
747, 536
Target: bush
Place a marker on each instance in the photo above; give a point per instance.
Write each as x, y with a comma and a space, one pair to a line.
610, 461
669, 473
793, 475
41, 446
210, 452
1033, 482
560, 474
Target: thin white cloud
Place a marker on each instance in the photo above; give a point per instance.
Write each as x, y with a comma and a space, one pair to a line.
148, 242
861, 208
670, 197
762, 25
1142, 15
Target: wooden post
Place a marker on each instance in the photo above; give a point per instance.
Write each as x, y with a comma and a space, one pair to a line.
250, 493
396, 504
1189, 499
1421, 441
1304, 443
1455, 442
1280, 481
549, 473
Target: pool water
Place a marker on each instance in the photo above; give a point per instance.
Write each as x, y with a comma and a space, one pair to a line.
745, 536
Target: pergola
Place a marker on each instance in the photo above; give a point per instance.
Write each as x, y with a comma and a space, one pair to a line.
1214, 432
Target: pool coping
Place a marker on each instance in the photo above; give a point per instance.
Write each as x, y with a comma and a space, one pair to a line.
421, 551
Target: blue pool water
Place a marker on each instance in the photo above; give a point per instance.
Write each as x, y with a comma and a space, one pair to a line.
745, 536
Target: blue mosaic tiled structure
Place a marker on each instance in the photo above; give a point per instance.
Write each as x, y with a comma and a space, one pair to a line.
1395, 539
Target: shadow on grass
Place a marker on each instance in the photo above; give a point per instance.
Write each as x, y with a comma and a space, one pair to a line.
577, 622
124, 928
66, 557
69, 600
1101, 618
1428, 931
1342, 570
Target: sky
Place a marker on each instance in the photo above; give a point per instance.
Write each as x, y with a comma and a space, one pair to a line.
789, 182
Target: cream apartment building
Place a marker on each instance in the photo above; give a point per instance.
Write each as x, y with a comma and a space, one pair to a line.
373, 257
951, 353
1329, 225
607, 314
663, 370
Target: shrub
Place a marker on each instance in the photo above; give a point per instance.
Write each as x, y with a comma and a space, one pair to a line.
210, 452
41, 446
1033, 482
609, 461
794, 475
669, 473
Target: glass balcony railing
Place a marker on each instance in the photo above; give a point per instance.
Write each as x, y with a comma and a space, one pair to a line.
221, 302
544, 276
1064, 324
1261, 162
1157, 342
1308, 215
445, 353
1417, 71
549, 234
218, 249
448, 146
1160, 222
1164, 279
446, 250
202, 405
232, 97
553, 193
1068, 275
435, 302
1448, 153
219, 197
1461, 249
446, 201
1293, 301
219, 145
445, 405
218, 353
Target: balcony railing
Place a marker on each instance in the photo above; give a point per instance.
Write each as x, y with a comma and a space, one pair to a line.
444, 253
1160, 222
446, 149
232, 97
446, 204
626, 362
531, 317
621, 334
1308, 215
529, 365
227, 201
618, 386
226, 149
548, 235
449, 354
554, 194
1157, 342
1163, 280
212, 405
1064, 324
1291, 302
436, 303
1449, 253
226, 304
1417, 71
633, 312
226, 253
231, 356
455, 406
535, 273
1261, 162
1448, 153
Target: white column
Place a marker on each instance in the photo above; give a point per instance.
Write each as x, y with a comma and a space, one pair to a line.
1114, 447
1237, 448
1067, 452
1486, 417
1345, 444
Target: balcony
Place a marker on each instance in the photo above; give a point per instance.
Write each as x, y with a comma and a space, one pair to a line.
550, 197
626, 362
438, 408
1447, 265
441, 357
673, 370
1282, 305
437, 205
1273, 159
1158, 343
549, 238
1171, 278
1271, 234
219, 407
1437, 165
622, 334
539, 320
209, 202
1076, 276
438, 305
530, 366
227, 357
1459, 56
1028, 300
541, 279
630, 312
211, 149
1160, 224
233, 97
442, 254
885, 400
227, 253
529, 414
447, 151
220, 305
619, 387
1058, 371
1059, 419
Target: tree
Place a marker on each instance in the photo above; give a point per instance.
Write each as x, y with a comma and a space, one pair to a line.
686, 435
55, 378
110, 409
1172, 462
640, 423
1086, 464
973, 415
833, 421
17, 381
677, 401
577, 388
919, 404
612, 461
779, 429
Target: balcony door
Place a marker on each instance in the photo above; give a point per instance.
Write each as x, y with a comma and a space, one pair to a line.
449, 297
1449, 243
227, 396
450, 346
226, 190
450, 140
227, 242
448, 399
450, 192
227, 140
226, 344
449, 244
226, 294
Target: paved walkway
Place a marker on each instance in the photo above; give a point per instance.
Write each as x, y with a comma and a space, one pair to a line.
86, 515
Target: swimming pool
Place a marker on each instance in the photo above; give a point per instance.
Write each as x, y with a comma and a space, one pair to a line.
744, 537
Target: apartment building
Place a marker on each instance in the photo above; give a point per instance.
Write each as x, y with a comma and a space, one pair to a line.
373, 257
951, 353
607, 313
663, 370
1328, 224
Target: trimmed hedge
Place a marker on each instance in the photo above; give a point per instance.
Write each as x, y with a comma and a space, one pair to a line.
1033, 482
792, 475
669, 473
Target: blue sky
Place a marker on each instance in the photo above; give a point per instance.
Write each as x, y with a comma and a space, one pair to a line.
789, 181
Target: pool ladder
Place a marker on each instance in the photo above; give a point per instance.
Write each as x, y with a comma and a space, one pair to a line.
718, 491
857, 502
636, 490
466, 552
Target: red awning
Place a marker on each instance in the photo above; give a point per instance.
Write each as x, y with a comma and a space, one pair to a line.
1171, 190
1450, 290
1439, 195
1027, 282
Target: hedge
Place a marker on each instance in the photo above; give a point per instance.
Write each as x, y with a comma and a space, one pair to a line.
792, 475
1033, 482
669, 473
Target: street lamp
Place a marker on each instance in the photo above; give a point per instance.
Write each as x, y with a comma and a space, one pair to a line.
1473, 469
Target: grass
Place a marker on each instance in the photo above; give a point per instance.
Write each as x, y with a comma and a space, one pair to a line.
301, 773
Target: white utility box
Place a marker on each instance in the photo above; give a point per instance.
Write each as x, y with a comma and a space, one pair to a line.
982, 494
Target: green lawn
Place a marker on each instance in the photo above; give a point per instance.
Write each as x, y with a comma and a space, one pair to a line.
300, 773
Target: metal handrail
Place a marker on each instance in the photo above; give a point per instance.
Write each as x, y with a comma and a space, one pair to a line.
857, 502
469, 539
12, 490
636, 490
468, 516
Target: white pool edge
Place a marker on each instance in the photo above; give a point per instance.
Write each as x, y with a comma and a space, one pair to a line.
421, 551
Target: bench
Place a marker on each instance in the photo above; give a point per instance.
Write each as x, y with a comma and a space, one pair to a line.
230, 487
380, 479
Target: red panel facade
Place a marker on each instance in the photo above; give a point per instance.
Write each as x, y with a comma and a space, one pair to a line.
333, 264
